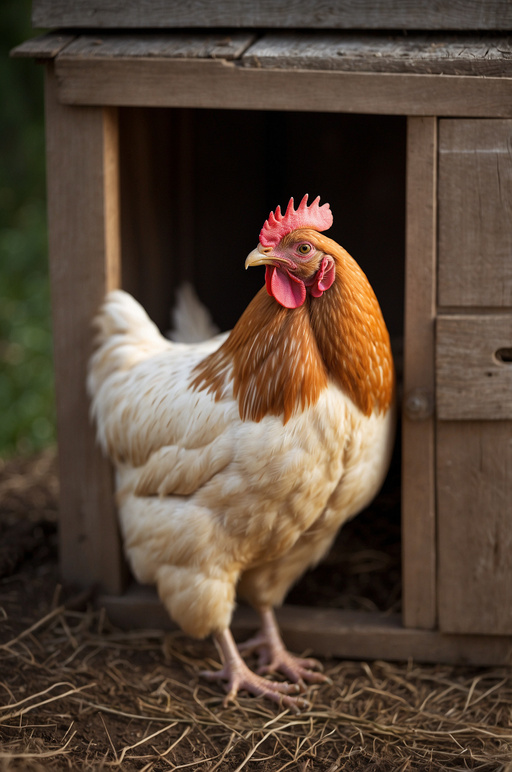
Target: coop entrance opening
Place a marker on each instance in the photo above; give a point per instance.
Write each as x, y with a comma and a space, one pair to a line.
197, 186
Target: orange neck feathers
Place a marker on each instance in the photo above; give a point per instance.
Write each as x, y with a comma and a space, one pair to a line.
280, 360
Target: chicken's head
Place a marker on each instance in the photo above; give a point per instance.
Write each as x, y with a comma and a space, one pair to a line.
289, 248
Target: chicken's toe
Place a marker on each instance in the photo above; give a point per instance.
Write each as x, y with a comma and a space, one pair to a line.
297, 669
243, 679
274, 657
239, 677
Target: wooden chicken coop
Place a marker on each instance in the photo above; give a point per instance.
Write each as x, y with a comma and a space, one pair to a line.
191, 116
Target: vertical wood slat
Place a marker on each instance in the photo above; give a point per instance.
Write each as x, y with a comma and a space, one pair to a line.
475, 188
83, 216
474, 457
157, 218
148, 230
418, 437
474, 476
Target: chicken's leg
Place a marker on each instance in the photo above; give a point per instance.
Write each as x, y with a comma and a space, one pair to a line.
239, 676
274, 657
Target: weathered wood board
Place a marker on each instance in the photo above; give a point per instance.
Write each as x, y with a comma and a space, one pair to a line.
240, 71
43, 46
154, 174
355, 14
488, 55
418, 440
474, 367
83, 217
475, 213
413, 75
427, 54
474, 377
158, 82
174, 45
474, 54
330, 632
474, 484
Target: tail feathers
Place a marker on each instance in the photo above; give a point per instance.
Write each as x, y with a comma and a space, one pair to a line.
121, 314
192, 322
125, 336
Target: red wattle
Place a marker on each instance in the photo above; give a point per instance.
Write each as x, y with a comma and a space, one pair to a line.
288, 290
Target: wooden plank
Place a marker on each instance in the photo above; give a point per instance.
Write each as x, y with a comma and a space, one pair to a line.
157, 82
178, 45
329, 632
439, 54
475, 202
418, 438
157, 213
83, 216
43, 46
149, 212
474, 473
429, 54
474, 458
355, 14
474, 367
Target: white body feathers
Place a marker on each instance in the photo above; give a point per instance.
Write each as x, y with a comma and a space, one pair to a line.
209, 504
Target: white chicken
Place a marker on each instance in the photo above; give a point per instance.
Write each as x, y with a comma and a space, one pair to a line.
238, 459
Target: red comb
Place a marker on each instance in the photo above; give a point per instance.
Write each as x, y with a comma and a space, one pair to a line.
312, 216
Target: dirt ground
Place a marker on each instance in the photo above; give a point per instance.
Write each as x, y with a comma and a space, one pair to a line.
77, 693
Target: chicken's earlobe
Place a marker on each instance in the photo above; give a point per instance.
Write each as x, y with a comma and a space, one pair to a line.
324, 277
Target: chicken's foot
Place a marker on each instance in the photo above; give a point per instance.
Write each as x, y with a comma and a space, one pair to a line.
240, 677
273, 656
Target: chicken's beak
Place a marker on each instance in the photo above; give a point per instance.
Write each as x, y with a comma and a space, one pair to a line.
257, 257
264, 256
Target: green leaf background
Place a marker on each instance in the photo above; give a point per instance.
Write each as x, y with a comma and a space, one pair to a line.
27, 415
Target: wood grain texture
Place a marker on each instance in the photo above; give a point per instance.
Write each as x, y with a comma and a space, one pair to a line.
356, 14
472, 382
474, 473
151, 208
43, 46
488, 55
429, 54
418, 438
329, 632
177, 45
158, 82
475, 204
474, 457
83, 217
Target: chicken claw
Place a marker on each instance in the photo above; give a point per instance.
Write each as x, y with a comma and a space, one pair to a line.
274, 657
240, 677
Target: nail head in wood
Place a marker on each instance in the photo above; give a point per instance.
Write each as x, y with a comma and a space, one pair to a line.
419, 405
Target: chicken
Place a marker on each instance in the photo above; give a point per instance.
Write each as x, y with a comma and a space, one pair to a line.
238, 459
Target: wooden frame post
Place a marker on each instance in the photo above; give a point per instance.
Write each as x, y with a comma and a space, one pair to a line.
83, 215
418, 429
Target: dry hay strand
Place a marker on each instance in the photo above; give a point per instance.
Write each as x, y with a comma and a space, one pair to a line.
77, 693
81, 694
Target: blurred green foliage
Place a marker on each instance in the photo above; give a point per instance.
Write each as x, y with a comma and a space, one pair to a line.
27, 421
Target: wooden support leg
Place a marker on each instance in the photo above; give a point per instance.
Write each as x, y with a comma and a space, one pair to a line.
83, 216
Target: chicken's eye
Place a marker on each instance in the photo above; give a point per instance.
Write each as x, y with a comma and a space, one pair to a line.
304, 249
